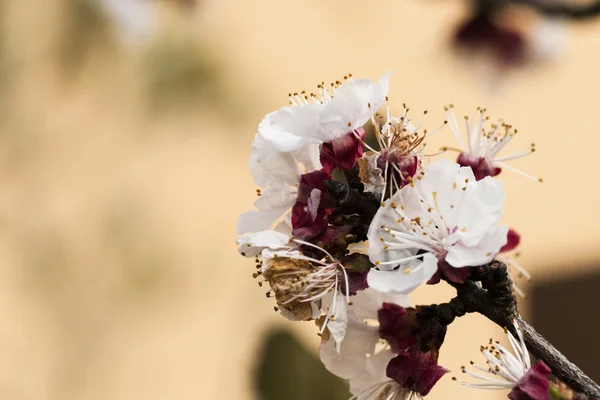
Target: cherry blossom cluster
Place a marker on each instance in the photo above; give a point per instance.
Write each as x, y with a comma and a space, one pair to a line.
353, 215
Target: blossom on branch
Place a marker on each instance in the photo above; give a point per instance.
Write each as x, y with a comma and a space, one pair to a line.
483, 145
374, 369
441, 223
510, 370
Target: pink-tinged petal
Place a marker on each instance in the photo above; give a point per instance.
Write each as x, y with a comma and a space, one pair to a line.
534, 385
512, 241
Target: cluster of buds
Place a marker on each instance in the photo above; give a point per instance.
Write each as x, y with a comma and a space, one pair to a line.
348, 223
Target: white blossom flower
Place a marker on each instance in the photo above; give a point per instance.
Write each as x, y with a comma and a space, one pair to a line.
509, 370
363, 358
305, 287
444, 217
278, 173
323, 116
483, 145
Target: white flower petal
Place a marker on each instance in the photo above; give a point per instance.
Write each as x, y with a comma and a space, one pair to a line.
309, 157
379, 251
350, 361
446, 179
484, 252
269, 166
480, 209
253, 243
374, 372
337, 325
291, 128
349, 108
406, 278
272, 204
367, 302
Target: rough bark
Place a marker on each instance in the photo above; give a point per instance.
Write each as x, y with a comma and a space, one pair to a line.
488, 291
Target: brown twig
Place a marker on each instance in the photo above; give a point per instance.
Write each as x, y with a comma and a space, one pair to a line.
488, 291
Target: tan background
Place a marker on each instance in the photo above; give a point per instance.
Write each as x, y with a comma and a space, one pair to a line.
119, 277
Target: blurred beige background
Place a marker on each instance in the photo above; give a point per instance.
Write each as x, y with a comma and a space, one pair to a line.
119, 277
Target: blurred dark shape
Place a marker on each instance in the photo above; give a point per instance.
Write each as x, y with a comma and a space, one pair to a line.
481, 33
186, 4
179, 72
512, 42
86, 30
288, 371
564, 311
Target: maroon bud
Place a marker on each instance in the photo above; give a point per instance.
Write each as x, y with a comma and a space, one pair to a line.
480, 166
342, 152
482, 33
395, 326
415, 371
513, 240
534, 385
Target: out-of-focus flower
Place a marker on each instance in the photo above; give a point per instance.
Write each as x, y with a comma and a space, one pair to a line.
506, 370
512, 38
482, 33
136, 20
483, 145
548, 37
445, 220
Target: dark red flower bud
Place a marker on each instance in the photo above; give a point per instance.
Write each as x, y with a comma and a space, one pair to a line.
415, 371
480, 166
513, 240
395, 324
342, 152
534, 385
